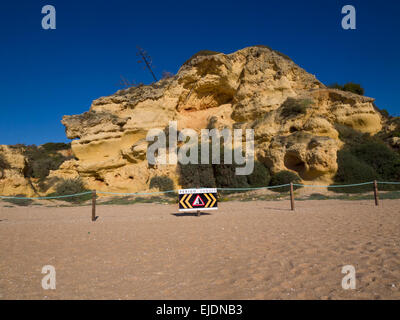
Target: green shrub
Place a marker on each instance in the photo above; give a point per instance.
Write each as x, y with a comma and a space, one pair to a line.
196, 176
354, 87
40, 168
317, 196
40, 160
46, 184
350, 86
384, 113
162, 183
260, 177
294, 107
3, 164
367, 160
70, 187
226, 177
225, 173
335, 86
221, 175
284, 177
55, 146
384, 160
19, 202
349, 135
352, 170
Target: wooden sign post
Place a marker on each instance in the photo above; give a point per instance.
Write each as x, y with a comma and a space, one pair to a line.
376, 193
94, 205
291, 196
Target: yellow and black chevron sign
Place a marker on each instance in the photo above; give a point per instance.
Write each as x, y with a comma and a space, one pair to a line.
198, 199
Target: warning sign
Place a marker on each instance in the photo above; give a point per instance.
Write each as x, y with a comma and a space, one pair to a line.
198, 202
198, 199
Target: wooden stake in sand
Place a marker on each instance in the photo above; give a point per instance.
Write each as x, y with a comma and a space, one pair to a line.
94, 205
291, 196
376, 193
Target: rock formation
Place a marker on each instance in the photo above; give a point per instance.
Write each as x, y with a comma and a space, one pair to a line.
12, 178
297, 120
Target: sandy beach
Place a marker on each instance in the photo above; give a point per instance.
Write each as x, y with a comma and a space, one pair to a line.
245, 250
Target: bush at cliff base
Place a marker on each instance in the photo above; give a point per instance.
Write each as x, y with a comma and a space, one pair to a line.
284, 177
71, 187
366, 162
19, 202
163, 183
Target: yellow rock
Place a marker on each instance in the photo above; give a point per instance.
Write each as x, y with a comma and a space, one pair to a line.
251, 88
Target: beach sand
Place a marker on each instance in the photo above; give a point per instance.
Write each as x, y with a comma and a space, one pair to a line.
245, 250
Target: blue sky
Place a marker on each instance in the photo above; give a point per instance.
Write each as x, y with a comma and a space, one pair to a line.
45, 74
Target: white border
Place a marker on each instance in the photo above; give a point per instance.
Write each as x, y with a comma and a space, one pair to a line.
200, 209
203, 190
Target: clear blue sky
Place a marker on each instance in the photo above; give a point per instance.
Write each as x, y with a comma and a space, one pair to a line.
45, 74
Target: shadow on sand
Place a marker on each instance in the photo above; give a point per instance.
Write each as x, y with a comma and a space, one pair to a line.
190, 214
280, 209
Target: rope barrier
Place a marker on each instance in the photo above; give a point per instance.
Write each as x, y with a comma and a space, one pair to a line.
259, 188
136, 193
45, 198
388, 182
170, 191
333, 185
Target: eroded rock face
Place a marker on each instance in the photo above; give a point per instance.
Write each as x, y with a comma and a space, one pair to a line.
251, 88
295, 118
12, 179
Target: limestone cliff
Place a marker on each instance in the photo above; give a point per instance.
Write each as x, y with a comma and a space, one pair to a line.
12, 177
296, 119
